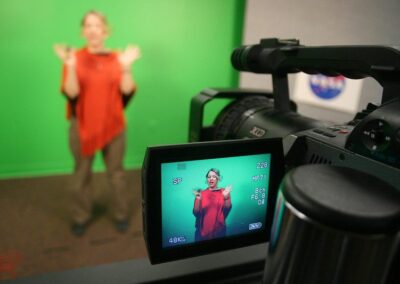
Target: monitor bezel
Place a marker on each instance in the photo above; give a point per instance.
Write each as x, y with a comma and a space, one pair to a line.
152, 193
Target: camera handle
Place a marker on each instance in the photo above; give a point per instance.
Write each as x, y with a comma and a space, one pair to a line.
281, 57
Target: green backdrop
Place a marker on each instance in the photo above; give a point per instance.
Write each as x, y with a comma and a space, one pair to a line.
186, 46
248, 176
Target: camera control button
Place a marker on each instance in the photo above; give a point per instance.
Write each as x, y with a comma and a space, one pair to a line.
334, 128
327, 134
319, 131
377, 135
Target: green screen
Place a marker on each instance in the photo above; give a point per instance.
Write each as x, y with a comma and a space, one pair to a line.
248, 176
185, 45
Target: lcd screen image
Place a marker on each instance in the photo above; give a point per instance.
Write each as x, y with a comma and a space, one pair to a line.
213, 198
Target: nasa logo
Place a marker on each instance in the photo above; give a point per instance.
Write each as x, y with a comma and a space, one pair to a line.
326, 87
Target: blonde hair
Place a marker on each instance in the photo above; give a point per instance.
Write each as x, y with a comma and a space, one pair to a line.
99, 14
216, 171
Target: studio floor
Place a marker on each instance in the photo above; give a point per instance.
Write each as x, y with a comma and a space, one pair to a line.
35, 235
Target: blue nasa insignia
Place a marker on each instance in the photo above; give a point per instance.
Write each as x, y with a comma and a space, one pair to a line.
326, 87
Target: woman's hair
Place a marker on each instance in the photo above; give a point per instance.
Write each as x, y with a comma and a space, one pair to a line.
215, 171
99, 14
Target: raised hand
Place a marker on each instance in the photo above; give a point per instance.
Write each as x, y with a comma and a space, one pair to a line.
227, 191
127, 57
197, 193
65, 53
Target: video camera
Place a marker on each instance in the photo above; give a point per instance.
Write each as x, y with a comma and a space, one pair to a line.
369, 143
281, 139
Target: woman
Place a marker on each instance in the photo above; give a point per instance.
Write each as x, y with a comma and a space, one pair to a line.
211, 208
97, 83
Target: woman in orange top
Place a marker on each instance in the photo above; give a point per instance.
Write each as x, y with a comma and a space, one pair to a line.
98, 83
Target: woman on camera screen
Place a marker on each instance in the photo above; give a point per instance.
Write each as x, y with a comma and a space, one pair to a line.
211, 208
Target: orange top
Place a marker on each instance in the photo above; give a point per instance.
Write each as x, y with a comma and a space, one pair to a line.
99, 106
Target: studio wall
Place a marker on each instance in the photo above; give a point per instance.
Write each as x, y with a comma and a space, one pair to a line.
315, 23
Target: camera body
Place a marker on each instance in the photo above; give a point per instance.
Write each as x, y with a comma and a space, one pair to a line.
172, 174
369, 143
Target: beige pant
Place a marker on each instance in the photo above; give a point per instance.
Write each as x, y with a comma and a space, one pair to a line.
113, 154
